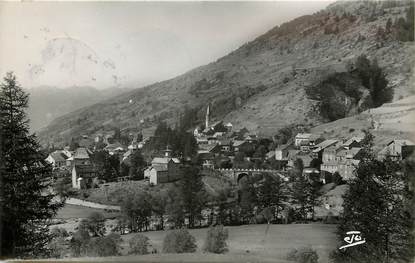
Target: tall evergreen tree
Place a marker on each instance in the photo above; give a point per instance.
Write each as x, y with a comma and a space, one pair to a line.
137, 165
26, 199
248, 198
272, 193
376, 205
302, 196
193, 194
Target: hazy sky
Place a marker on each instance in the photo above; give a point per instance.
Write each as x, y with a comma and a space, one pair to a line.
115, 44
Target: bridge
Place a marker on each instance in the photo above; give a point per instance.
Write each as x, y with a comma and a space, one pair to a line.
236, 174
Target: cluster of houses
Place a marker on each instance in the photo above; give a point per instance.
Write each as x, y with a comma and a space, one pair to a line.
334, 155
78, 161
218, 143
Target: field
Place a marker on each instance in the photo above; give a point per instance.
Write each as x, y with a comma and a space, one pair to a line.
250, 243
76, 211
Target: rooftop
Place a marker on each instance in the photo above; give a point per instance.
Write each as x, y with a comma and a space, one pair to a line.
82, 153
58, 156
324, 144
164, 160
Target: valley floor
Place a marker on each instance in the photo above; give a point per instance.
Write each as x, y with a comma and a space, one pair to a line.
248, 243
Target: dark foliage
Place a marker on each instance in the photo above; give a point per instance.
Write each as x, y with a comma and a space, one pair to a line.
377, 205
136, 208
181, 142
374, 79
303, 255
179, 241
193, 194
340, 94
272, 193
139, 245
25, 177
215, 241
104, 246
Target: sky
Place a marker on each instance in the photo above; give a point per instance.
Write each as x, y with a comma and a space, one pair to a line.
118, 44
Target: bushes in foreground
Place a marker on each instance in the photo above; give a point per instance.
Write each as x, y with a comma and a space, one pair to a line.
179, 241
104, 246
216, 240
139, 245
303, 255
82, 244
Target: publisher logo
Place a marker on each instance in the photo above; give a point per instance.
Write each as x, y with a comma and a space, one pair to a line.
352, 239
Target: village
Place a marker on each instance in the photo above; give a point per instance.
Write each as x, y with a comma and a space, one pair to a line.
259, 131
221, 152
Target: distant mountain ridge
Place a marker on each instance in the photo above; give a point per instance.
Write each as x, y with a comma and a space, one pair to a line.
47, 103
261, 85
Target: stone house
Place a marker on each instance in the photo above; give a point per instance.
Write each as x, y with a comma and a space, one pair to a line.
397, 149
341, 160
163, 169
305, 140
83, 176
57, 159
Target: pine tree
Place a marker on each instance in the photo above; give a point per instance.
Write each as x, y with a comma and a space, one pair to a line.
137, 165
272, 193
247, 198
193, 194
26, 200
302, 196
376, 205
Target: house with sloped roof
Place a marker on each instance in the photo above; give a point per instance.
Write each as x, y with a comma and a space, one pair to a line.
306, 141
240, 144
57, 159
342, 160
319, 148
115, 148
82, 156
353, 142
397, 149
209, 148
225, 144
83, 176
163, 169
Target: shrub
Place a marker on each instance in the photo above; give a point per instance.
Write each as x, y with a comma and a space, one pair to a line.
57, 247
104, 246
96, 224
303, 255
79, 241
216, 240
59, 232
139, 245
63, 187
179, 241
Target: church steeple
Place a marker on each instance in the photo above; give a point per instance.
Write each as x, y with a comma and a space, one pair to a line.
167, 152
207, 117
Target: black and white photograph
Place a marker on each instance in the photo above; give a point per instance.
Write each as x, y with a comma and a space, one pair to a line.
207, 131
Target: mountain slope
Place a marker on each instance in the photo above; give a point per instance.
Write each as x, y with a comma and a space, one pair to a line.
394, 120
261, 85
48, 103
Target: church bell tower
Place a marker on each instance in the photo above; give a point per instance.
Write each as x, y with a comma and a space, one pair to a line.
207, 117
